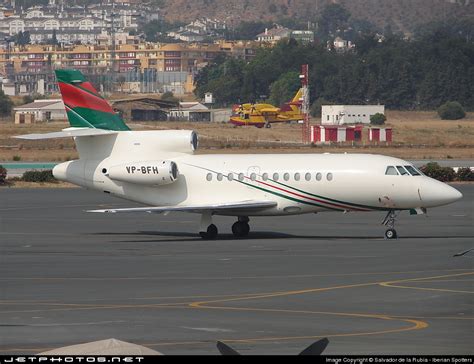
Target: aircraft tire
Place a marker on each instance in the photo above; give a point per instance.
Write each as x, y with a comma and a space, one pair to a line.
390, 234
210, 234
240, 229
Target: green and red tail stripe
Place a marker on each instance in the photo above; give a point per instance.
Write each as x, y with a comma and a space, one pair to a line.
85, 108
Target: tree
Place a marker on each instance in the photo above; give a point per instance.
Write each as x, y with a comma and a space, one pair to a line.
377, 119
5, 104
333, 17
451, 110
54, 39
3, 175
283, 89
28, 99
169, 96
23, 38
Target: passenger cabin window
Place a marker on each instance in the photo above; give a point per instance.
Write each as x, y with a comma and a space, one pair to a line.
241, 176
286, 176
412, 171
253, 176
265, 176
319, 176
329, 176
297, 176
276, 176
402, 171
230, 177
219, 176
391, 171
307, 176
209, 176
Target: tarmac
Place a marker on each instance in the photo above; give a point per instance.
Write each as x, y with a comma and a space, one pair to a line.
69, 277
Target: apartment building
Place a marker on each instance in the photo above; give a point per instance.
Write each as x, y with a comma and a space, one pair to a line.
101, 61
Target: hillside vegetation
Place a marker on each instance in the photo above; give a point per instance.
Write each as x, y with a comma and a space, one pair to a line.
400, 15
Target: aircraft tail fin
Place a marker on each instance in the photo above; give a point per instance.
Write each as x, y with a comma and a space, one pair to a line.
85, 107
296, 100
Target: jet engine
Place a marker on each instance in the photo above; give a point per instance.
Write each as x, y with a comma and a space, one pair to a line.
146, 173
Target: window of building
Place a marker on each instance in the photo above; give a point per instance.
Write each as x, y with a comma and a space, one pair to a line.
329, 176
391, 171
307, 176
219, 176
297, 176
319, 176
209, 176
265, 176
286, 176
241, 176
276, 176
402, 171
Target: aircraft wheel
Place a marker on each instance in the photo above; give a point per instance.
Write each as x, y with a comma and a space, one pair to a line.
390, 234
210, 234
240, 229
268, 125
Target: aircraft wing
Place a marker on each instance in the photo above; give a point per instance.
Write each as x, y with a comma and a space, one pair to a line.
66, 133
231, 206
269, 110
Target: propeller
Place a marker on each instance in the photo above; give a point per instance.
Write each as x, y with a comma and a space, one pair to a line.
315, 348
226, 349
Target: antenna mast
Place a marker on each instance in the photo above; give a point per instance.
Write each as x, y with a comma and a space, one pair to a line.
304, 76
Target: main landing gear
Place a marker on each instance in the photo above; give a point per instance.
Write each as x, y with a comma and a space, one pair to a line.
208, 230
241, 228
389, 222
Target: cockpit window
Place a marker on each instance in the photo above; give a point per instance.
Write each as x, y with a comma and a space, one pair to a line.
402, 171
412, 171
391, 171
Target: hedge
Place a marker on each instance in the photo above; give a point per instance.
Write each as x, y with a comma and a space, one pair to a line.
39, 176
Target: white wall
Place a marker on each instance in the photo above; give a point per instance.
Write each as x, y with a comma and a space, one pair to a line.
349, 114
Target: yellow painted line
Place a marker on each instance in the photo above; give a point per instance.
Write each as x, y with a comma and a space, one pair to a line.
394, 284
227, 278
425, 289
105, 307
203, 304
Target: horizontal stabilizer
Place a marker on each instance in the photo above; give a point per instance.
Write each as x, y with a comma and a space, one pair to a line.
232, 206
67, 133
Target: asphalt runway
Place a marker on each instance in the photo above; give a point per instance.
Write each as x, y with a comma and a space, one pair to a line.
69, 277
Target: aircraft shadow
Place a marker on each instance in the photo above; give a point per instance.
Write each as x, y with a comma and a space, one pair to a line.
257, 235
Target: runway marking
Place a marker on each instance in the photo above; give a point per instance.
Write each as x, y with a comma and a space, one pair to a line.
392, 284
415, 323
227, 278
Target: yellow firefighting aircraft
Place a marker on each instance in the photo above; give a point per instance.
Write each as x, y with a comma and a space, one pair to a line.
263, 115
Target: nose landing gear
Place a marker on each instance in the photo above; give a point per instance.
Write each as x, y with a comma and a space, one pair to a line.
389, 221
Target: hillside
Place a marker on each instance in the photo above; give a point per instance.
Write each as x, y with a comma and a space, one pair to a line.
402, 15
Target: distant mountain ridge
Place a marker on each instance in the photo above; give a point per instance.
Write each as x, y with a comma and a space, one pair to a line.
401, 15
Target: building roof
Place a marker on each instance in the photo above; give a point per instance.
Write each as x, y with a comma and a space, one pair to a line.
39, 104
275, 32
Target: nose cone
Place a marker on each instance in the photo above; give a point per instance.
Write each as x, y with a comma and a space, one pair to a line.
435, 193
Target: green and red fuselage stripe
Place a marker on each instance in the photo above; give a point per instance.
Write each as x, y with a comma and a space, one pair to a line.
321, 201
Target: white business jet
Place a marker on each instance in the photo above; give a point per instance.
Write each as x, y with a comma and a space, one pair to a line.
160, 170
